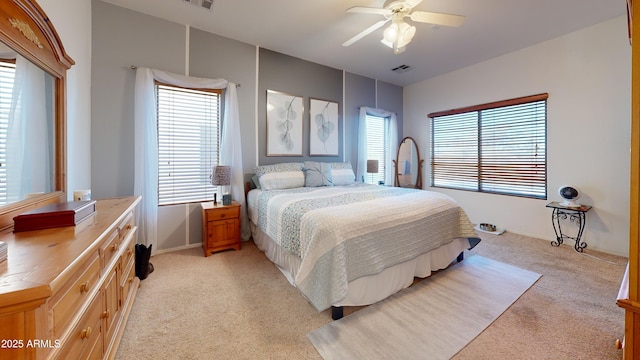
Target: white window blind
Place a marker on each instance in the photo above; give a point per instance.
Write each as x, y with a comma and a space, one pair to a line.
189, 125
7, 75
496, 148
377, 146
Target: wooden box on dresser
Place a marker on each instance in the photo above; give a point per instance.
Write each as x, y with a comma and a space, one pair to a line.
66, 293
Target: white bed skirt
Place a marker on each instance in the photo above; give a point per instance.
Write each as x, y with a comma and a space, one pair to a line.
373, 288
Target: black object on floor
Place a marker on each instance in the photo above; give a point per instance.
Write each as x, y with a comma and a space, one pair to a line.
143, 266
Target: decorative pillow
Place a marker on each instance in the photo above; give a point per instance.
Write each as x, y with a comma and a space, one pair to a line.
280, 176
342, 173
282, 167
282, 180
317, 174
255, 179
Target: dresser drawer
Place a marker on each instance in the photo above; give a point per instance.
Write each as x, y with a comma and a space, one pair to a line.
109, 249
223, 213
126, 280
85, 338
125, 227
73, 296
128, 254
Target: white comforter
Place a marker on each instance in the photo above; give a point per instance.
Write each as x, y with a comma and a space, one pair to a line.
342, 233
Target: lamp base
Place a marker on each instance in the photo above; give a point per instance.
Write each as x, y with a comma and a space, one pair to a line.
226, 199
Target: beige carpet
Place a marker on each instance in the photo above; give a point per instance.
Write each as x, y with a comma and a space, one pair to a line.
438, 316
237, 305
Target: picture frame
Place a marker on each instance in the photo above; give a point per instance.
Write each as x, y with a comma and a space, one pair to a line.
324, 133
284, 124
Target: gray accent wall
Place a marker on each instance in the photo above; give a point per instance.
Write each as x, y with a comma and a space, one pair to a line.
216, 57
302, 78
122, 38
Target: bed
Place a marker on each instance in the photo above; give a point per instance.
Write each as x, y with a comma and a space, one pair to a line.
346, 243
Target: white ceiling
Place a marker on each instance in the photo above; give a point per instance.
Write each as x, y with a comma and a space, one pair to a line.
315, 30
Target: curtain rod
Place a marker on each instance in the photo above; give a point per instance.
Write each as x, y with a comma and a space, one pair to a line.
134, 67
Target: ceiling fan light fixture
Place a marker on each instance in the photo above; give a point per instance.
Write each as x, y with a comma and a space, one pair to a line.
398, 35
390, 33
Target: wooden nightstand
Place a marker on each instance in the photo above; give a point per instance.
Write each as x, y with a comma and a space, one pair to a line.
220, 227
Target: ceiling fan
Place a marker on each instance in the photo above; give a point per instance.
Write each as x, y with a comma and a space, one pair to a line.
399, 33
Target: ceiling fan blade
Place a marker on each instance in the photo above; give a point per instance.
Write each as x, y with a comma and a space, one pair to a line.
412, 3
437, 18
369, 10
365, 32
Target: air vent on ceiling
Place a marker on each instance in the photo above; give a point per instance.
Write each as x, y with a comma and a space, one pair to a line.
401, 69
207, 4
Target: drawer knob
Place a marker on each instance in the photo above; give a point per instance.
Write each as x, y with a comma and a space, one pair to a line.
86, 333
106, 314
114, 247
84, 287
130, 279
129, 226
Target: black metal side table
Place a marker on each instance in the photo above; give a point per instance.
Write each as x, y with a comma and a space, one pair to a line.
575, 215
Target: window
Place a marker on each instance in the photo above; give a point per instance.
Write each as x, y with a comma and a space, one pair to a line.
377, 145
188, 143
496, 148
7, 75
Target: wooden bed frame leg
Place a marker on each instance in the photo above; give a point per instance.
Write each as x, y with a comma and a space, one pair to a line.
337, 312
460, 257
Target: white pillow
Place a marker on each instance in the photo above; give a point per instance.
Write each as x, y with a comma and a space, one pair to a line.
342, 173
282, 180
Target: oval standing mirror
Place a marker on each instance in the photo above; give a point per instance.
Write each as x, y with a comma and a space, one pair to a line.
408, 165
33, 67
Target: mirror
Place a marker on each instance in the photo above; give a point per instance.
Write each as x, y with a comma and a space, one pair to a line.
27, 111
408, 165
33, 67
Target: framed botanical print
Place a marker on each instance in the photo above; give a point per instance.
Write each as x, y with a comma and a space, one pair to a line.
284, 124
323, 128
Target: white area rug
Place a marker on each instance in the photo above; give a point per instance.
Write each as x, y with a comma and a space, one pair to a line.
433, 319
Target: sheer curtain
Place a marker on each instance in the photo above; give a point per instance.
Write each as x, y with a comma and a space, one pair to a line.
146, 144
29, 133
392, 138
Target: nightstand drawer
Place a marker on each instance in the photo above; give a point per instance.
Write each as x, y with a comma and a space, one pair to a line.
223, 213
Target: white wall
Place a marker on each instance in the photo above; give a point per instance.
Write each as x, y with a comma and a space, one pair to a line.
72, 20
588, 77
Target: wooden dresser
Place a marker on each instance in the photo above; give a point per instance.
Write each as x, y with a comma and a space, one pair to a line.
66, 293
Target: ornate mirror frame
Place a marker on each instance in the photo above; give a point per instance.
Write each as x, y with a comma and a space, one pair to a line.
418, 166
25, 28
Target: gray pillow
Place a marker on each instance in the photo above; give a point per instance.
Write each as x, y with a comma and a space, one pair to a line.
317, 174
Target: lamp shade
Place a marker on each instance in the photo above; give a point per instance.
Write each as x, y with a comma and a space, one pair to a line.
372, 166
221, 175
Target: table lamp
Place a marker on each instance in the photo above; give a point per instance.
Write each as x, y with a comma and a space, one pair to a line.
221, 176
372, 168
